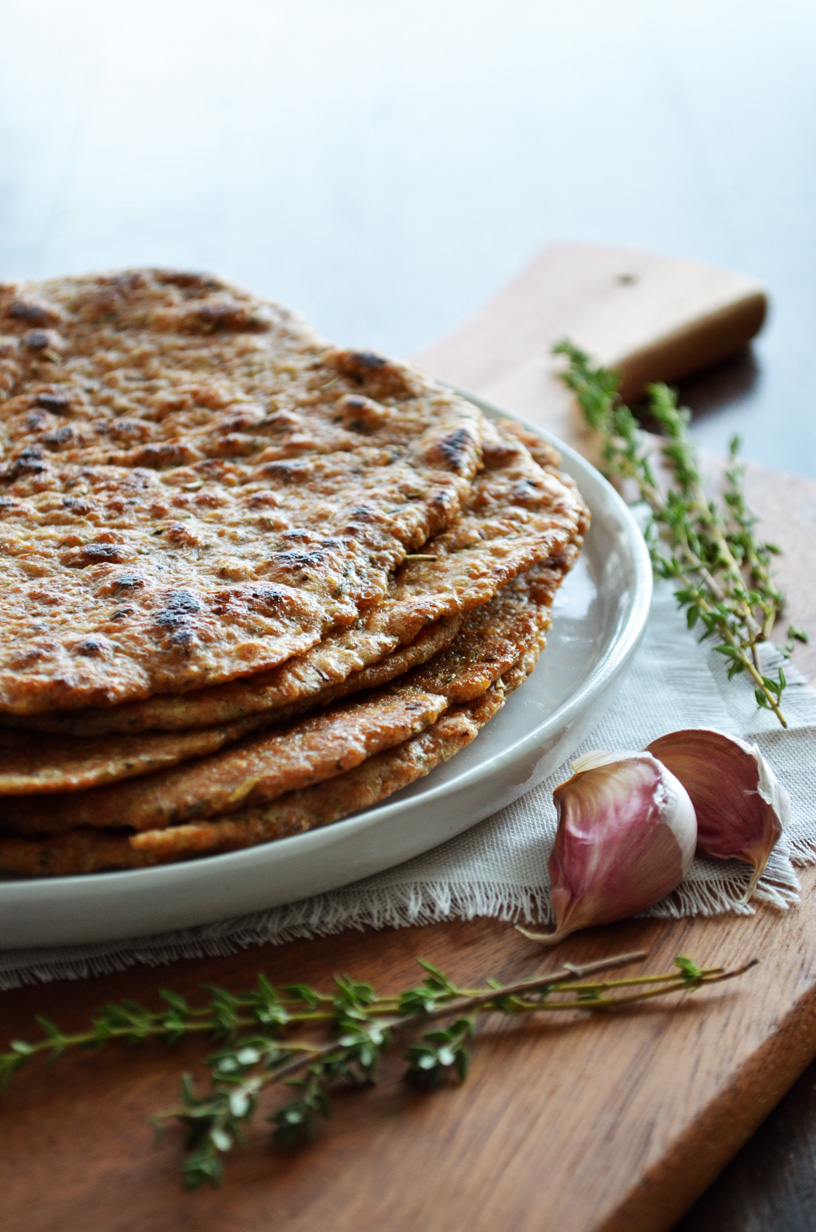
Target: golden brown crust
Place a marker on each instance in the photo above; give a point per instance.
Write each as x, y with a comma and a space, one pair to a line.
544, 454
65, 855
317, 747
88, 851
186, 489
430, 642
35, 763
213, 522
313, 808
368, 784
258, 768
516, 515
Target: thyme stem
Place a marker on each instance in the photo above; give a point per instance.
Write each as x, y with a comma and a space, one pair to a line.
486, 998
256, 1052
721, 571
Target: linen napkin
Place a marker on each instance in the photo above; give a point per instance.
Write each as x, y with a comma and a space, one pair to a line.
499, 868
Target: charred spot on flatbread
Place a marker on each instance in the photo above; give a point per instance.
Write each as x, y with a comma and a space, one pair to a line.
254, 582
188, 401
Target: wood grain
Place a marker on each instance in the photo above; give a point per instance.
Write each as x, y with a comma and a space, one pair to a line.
614, 1125
618, 1123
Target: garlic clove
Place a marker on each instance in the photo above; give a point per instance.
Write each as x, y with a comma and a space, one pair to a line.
741, 806
626, 836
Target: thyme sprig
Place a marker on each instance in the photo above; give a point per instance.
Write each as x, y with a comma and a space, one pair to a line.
721, 570
268, 1036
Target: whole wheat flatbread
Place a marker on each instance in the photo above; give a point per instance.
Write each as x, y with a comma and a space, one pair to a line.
518, 513
368, 784
257, 768
34, 763
318, 747
194, 487
89, 851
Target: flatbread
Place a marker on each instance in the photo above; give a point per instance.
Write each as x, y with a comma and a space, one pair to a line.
319, 746
41, 764
90, 851
361, 788
258, 768
430, 642
517, 514
32, 764
194, 487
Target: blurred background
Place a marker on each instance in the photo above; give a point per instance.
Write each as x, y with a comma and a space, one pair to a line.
386, 167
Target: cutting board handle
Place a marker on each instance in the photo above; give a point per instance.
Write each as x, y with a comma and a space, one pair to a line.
654, 318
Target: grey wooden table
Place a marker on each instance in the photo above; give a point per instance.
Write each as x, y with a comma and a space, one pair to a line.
386, 167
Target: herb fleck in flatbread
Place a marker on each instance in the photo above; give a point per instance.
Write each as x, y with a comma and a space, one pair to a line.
186, 490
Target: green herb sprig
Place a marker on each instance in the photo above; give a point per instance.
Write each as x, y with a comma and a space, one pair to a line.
268, 1036
721, 570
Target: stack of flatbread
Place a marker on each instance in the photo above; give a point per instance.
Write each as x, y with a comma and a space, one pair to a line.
252, 582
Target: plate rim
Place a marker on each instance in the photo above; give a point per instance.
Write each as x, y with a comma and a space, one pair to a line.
51, 889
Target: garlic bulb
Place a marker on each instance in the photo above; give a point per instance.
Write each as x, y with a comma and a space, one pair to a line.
626, 836
741, 806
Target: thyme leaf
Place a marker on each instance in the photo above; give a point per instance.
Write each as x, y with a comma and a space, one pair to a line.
721, 571
268, 1037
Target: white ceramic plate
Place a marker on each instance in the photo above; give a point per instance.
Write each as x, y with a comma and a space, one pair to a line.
599, 616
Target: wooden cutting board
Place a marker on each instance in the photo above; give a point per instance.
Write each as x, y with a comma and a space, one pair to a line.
611, 1125
652, 318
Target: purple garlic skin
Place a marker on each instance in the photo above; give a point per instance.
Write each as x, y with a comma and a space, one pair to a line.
741, 806
626, 836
